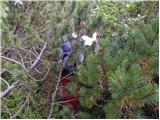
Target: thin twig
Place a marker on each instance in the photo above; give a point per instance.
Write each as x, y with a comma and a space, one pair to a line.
40, 79
45, 51
67, 75
55, 92
62, 102
29, 51
38, 37
8, 110
22, 60
21, 107
35, 51
5, 82
38, 71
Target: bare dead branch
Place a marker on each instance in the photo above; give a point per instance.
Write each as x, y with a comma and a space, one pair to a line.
9, 89
26, 71
55, 92
39, 56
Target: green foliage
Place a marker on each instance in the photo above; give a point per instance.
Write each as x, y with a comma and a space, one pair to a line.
88, 96
91, 77
72, 88
67, 112
84, 115
136, 87
128, 71
112, 110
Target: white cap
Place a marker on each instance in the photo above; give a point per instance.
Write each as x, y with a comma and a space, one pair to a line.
95, 35
74, 35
